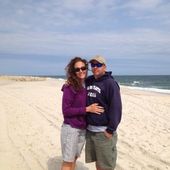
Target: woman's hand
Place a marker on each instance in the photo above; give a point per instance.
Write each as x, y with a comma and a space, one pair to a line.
95, 108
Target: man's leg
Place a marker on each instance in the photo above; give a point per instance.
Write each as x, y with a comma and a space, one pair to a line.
106, 152
90, 155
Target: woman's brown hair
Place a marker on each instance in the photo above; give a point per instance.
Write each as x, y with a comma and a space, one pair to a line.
71, 75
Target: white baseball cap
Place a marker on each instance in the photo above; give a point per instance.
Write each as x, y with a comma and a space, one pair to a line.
99, 59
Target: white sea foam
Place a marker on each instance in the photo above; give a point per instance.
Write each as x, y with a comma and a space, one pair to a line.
151, 89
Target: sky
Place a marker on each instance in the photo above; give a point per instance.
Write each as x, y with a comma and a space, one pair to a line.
39, 37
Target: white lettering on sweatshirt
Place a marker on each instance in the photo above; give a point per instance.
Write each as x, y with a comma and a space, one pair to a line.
94, 88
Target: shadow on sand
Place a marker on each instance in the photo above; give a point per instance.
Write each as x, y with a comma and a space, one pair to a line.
55, 164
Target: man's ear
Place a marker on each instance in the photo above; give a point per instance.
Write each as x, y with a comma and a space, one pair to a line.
104, 67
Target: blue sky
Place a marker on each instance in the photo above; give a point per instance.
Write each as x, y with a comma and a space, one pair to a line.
40, 37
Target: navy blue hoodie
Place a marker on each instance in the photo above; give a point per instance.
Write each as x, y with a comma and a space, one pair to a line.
106, 92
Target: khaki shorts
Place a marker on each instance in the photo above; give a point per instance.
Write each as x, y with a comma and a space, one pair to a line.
72, 142
101, 150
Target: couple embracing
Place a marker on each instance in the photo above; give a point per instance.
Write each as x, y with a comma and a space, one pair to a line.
92, 110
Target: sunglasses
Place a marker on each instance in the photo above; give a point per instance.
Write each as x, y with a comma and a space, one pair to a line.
96, 65
81, 68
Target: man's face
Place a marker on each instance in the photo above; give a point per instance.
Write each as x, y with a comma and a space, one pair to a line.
98, 69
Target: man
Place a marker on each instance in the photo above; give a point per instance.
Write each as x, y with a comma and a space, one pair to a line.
101, 136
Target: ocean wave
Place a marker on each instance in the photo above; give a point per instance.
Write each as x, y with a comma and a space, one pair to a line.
150, 89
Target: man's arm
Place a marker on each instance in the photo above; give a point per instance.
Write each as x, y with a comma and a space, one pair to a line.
115, 106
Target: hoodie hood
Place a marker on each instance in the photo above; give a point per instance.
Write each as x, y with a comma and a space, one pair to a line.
107, 75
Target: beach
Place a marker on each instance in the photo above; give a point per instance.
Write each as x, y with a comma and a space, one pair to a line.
31, 119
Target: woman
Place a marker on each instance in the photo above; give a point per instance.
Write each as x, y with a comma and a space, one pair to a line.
74, 112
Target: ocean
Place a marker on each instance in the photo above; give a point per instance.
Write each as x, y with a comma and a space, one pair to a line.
157, 83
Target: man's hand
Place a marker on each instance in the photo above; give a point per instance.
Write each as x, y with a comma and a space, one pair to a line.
108, 135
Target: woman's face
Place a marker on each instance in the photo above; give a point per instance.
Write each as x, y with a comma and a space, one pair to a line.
80, 70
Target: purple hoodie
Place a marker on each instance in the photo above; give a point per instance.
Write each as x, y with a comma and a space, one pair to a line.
74, 106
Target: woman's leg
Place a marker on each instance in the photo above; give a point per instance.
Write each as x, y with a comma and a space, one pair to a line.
74, 165
68, 166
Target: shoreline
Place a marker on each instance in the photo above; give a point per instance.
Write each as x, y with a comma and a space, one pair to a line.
154, 90
41, 78
22, 78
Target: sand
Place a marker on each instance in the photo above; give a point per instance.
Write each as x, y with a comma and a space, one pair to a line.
31, 118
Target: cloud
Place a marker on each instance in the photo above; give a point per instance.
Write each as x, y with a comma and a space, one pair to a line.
143, 4
117, 29
134, 43
81, 15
